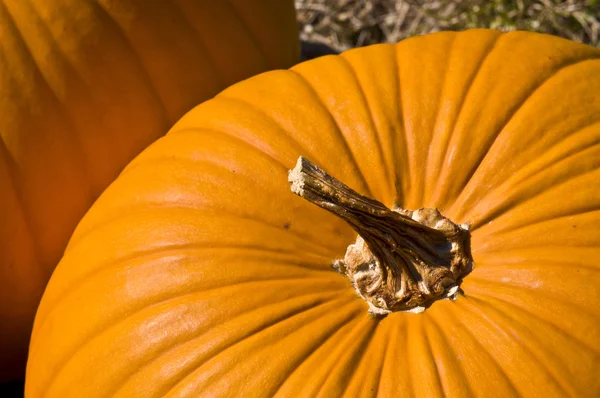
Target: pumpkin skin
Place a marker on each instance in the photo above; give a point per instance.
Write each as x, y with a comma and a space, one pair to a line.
198, 272
86, 86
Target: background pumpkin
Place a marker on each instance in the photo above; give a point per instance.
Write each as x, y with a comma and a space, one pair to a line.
199, 272
86, 85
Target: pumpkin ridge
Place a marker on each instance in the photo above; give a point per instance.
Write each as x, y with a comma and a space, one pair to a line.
285, 134
515, 307
534, 264
520, 198
439, 380
145, 158
456, 365
239, 16
64, 110
21, 200
351, 316
168, 251
110, 324
179, 347
540, 294
366, 376
6, 157
323, 251
565, 389
490, 47
569, 153
238, 139
162, 107
343, 141
367, 105
582, 210
338, 347
535, 169
399, 155
427, 173
160, 251
199, 40
197, 368
515, 109
490, 358
170, 349
351, 358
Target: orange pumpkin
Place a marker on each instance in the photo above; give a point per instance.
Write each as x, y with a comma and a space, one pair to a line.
198, 272
86, 85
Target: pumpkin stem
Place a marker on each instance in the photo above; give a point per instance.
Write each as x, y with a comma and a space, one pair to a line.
402, 260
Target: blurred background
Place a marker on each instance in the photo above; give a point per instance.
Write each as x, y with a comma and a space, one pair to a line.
343, 24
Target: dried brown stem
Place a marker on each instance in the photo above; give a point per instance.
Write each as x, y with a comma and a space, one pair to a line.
402, 260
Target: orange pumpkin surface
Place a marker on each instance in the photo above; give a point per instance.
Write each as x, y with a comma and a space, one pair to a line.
198, 272
86, 85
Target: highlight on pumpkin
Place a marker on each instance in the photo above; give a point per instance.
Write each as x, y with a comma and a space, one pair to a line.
198, 272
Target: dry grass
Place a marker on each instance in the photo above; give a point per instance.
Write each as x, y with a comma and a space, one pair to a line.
344, 24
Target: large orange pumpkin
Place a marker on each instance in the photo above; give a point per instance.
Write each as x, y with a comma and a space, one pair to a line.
86, 85
198, 272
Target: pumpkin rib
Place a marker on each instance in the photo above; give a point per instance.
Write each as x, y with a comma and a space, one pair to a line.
204, 130
79, 283
400, 157
369, 366
108, 222
151, 84
568, 178
367, 106
389, 346
405, 154
258, 220
239, 16
337, 345
539, 293
513, 112
190, 343
351, 316
164, 252
167, 250
458, 368
285, 134
180, 345
536, 171
200, 41
6, 156
237, 139
380, 108
534, 264
82, 160
531, 314
321, 314
352, 156
492, 361
489, 48
428, 161
565, 389
197, 367
431, 358
114, 322
309, 362
21, 199
593, 208
351, 359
